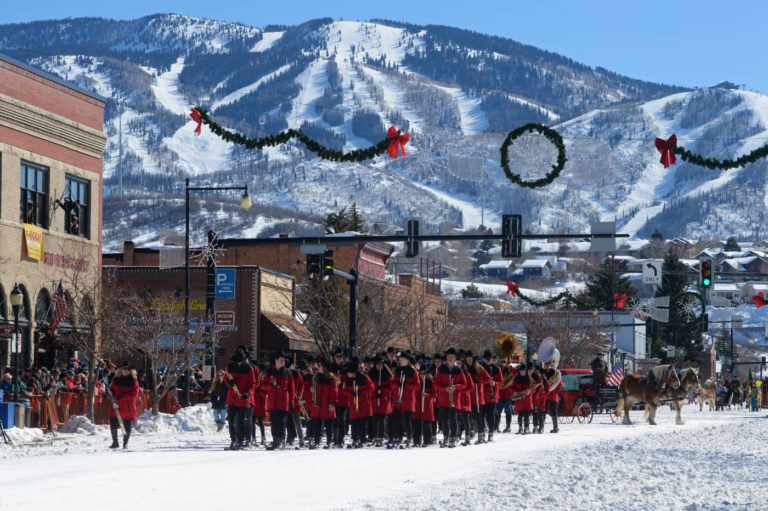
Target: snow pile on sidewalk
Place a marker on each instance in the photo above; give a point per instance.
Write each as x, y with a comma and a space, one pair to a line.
79, 424
25, 436
196, 418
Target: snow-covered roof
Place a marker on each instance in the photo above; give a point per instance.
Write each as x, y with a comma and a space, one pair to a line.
535, 263
739, 263
496, 265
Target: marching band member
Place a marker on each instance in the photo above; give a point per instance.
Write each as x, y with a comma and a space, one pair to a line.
294, 413
324, 393
383, 383
506, 404
280, 394
449, 380
425, 408
407, 382
496, 380
241, 378
357, 389
555, 384
523, 399
481, 380
538, 395
465, 401
259, 413
342, 412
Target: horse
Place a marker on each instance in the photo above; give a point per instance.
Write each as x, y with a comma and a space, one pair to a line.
649, 389
689, 378
707, 394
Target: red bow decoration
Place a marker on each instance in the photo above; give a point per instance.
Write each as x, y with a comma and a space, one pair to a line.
759, 299
198, 118
512, 288
666, 148
396, 141
619, 300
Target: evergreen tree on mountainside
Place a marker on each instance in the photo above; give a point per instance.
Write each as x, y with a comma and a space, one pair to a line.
731, 245
675, 332
602, 287
344, 221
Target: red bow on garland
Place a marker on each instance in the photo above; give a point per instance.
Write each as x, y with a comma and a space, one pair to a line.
619, 299
666, 148
512, 288
759, 299
396, 141
195, 115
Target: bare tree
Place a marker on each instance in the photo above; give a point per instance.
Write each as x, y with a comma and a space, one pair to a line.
578, 335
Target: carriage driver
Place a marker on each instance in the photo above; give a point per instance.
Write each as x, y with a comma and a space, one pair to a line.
599, 371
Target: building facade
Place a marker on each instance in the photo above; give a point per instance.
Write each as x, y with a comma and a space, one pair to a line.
51, 158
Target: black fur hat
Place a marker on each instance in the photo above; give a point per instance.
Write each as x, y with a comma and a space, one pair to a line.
488, 355
391, 349
338, 351
241, 354
407, 355
450, 351
468, 353
437, 356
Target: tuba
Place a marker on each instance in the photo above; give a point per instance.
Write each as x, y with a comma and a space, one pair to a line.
548, 352
506, 345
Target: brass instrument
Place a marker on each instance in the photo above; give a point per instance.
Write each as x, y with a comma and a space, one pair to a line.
234, 387
423, 392
450, 390
506, 345
402, 387
357, 397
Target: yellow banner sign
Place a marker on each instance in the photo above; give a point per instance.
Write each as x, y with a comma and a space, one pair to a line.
34, 236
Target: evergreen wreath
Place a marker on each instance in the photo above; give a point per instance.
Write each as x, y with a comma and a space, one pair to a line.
551, 135
312, 145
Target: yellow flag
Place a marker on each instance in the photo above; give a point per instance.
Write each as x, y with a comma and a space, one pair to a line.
34, 236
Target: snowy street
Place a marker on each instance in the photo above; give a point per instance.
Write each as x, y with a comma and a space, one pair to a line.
714, 461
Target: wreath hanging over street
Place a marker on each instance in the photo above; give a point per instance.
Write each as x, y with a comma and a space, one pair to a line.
551, 135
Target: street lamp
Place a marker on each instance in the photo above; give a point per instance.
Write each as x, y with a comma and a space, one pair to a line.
16, 300
245, 203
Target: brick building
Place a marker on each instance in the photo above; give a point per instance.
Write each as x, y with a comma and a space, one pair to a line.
51, 145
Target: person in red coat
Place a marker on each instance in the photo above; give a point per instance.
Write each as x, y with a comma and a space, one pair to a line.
425, 407
383, 386
481, 381
280, 394
406, 380
496, 380
539, 400
357, 390
522, 385
259, 406
465, 400
506, 404
555, 385
449, 382
125, 390
323, 394
242, 379
294, 414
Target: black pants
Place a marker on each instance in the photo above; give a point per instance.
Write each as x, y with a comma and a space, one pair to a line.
380, 424
114, 427
371, 428
477, 419
523, 418
316, 430
359, 429
277, 417
449, 422
342, 412
238, 421
403, 424
489, 416
552, 411
294, 427
257, 421
422, 432
249, 424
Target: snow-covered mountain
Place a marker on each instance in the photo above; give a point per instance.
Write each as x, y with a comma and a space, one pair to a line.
457, 92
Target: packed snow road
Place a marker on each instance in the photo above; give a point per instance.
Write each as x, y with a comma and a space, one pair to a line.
714, 461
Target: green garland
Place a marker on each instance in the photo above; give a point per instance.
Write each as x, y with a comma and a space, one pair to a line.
565, 296
553, 136
714, 163
312, 145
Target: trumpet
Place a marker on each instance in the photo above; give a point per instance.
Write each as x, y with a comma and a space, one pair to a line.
357, 397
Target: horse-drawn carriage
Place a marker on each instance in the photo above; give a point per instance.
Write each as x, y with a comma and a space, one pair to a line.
578, 399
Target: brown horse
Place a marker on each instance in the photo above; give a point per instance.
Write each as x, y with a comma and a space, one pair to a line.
648, 389
689, 379
707, 394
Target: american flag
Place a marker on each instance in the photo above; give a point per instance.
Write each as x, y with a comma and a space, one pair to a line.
59, 306
618, 375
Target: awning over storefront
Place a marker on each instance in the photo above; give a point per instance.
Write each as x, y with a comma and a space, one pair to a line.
282, 332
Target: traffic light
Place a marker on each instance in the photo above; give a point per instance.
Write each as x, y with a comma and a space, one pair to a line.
328, 263
705, 273
314, 262
511, 228
412, 245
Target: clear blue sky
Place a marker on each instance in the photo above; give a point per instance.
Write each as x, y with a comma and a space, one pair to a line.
684, 42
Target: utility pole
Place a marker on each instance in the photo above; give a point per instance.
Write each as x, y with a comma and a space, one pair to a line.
120, 147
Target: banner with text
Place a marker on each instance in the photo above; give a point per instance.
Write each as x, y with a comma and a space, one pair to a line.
34, 236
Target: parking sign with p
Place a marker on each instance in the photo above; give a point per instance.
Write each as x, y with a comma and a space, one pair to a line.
225, 283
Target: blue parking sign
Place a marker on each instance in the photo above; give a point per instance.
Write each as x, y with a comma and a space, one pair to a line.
225, 283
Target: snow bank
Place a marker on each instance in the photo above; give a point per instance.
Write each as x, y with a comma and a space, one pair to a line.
196, 418
25, 436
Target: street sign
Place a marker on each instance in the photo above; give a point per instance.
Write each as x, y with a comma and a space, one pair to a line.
603, 244
225, 283
736, 322
225, 318
652, 272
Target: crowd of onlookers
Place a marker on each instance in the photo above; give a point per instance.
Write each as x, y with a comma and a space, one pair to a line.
40, 381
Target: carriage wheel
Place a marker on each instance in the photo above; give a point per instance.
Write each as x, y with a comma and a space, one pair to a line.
584, 413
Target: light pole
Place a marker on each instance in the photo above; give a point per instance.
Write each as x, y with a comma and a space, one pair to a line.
245, 203
16, 300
